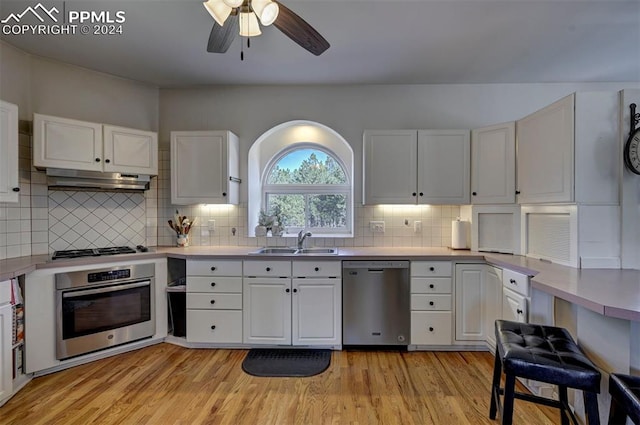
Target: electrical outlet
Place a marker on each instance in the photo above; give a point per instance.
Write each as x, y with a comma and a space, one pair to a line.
211, 225
376, 226
417, 226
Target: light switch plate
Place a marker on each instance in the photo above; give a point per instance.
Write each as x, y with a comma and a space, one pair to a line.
211, 225
417, 226
377, 226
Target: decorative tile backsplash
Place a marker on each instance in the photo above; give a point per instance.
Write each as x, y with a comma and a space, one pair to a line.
79, 220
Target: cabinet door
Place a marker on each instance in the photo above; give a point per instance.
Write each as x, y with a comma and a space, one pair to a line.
390, 166
199, 167
130, 151
317, 312
222, 326
267, 311
66, 143
9, 187
444, 158
470, 310
6, 357
493, 301
493, 164
545, 160
514, 306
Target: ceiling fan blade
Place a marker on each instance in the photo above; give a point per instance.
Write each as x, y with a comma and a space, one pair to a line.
300, 31
221, 36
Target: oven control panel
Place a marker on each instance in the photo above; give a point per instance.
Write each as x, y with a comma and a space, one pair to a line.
106, 276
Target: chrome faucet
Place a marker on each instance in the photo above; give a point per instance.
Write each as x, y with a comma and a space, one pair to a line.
301, 237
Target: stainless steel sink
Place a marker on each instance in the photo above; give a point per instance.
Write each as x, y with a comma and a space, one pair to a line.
294, 251
332, 251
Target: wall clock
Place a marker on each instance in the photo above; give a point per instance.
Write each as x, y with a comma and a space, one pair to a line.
632, 147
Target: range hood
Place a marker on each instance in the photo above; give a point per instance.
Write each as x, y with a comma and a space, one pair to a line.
58, 178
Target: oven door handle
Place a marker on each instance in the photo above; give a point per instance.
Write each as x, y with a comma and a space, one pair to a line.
83, 292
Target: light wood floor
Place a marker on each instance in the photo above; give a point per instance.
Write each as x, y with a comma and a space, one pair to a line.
167, 384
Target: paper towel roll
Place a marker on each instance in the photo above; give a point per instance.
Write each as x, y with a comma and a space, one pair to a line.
459, 234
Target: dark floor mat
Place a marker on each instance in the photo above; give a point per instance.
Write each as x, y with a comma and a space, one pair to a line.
286, 362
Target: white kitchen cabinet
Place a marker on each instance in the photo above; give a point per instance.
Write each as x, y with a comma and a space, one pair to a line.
431, 305
492, 301
214, 301
305, 310
6, 338
493, 164
127, 150
470, 303
416, 166
81, 145
9, 183
515, 296
569, 151
204, 167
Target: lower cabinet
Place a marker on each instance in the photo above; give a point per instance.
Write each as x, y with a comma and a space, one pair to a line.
431, 304
431, 327
215, 326
267, 310
317, 311
6, 362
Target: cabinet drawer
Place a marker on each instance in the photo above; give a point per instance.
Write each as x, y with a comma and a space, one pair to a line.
214, 301
214, 284
515, 281
431, 285
5, 292
317, 268
267, 268
430, 302
214, 267
214, 326
431, 328
431, 268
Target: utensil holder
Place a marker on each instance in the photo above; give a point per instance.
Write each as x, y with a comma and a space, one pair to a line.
182, 240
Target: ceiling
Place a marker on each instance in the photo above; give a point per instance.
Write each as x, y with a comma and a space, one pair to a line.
372, 42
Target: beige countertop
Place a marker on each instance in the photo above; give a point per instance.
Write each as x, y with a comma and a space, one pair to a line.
610, 292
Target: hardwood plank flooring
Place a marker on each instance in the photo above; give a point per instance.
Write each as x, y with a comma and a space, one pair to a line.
167, 384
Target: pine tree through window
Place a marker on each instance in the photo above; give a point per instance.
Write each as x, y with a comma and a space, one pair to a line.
311, 189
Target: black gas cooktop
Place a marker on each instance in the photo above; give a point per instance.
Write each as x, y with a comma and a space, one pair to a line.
94, 252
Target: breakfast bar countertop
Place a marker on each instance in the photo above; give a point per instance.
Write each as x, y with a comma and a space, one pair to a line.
610, 292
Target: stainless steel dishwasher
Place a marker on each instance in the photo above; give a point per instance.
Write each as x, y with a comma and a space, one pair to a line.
375, 303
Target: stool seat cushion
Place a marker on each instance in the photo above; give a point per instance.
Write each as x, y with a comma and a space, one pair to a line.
545, 353
626, 390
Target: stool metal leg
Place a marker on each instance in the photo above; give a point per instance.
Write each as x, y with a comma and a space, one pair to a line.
495, 386
509, 395
564, 399
591, 407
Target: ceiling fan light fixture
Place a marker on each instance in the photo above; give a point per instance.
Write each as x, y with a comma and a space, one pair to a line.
218, 10
249, 26
233, 3
266, 10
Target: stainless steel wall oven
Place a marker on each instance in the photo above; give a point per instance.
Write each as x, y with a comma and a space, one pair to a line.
102, 308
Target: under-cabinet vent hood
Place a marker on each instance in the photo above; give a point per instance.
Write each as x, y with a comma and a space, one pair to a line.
58, 178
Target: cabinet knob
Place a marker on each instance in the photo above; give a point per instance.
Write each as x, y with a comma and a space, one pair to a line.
431, 302
421, 194
430, 329
97, 159
268, 269
432, 269
213, 284
519, 311
213, 301
287, 290
432, 286
213, 269
317, 269
474, 193
224, 193
517, 192
16, 189
295, 290
107, 161
413, 194
512, 281
213, 327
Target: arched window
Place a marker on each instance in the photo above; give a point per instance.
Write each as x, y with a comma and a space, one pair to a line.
304, 169
309, 187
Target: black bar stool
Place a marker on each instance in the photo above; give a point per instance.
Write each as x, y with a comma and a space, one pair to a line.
547, 354
625, 399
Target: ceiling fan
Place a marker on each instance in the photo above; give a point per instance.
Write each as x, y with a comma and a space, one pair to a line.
241, 17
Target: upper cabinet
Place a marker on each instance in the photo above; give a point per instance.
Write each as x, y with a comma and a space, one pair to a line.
9, 187
568, 151
493, 164
416, 166
204, 167
81, 145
